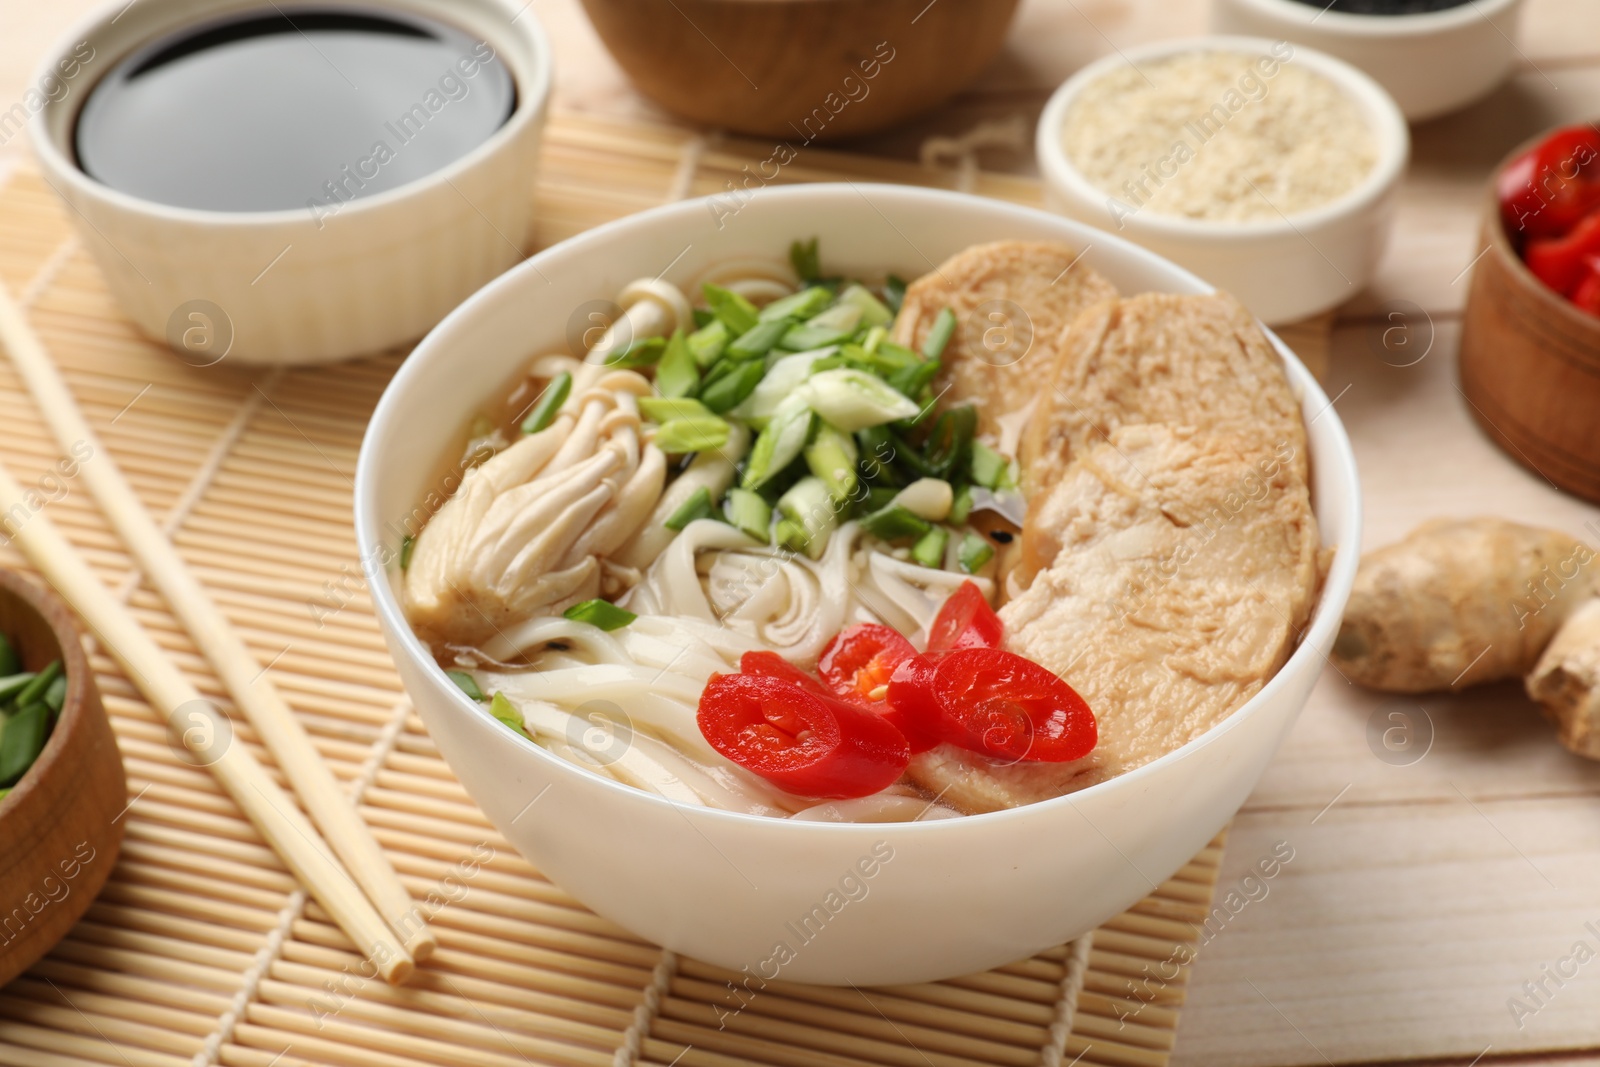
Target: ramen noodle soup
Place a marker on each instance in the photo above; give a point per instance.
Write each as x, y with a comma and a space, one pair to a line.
807, 546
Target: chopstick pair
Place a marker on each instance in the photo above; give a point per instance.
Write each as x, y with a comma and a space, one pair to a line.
363, 893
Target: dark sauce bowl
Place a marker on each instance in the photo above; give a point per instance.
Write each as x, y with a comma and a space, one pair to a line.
217, 264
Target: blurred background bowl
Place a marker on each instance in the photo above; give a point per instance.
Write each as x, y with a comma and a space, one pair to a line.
379, 272
1431, 63
1530, 361
1283, 269
59, 826
801, 70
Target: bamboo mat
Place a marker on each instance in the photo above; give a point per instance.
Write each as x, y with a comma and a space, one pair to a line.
202, 950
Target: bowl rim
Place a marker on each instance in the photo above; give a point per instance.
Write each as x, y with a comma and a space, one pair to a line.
1335, 587
1313, 18
1390, 133
531, 102
48, 606
1494, 230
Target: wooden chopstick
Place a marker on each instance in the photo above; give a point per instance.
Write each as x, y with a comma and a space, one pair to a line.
187, 713
250, 686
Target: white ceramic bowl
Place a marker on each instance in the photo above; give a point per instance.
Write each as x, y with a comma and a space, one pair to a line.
1283, 269
945, 898
284, 286
1432, 63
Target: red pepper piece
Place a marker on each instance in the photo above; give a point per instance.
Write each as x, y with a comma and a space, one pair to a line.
1549, 194
965, 621
913, 706
860, 659
1561, 262
1002, 705
802, 743
767, 664
1587, 293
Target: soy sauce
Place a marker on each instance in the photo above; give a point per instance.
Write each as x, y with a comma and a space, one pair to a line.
292, 108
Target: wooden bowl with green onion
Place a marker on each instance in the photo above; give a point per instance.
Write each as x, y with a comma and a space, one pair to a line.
801, 70
61, 817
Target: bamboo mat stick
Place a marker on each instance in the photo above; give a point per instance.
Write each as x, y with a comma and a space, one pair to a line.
251, 688
172, 694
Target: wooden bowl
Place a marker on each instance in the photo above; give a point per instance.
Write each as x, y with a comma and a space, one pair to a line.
801, 70
60, 827
1530, 365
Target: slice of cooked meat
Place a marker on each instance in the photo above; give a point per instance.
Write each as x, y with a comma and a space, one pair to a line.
1196, 361
1187, 567
1012, 300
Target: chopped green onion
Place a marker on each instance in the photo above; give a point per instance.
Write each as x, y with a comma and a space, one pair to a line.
928, 498
692, 435
873, 313
854, 400
748, 513
56, 695
408, 545
802, 305
880, 497
677, 374
894, 292
758, 340
728, 391
737, 313
702, 318
895, 522
914, 379
944, 324
502, 708
974, 552
10, 662
659, 409
698, 506
780, 441
783, 376
22, 741
929, 549
548, 405
707, 343
988, 467
640, 352
803, 257
950, 444
16, 683
33, 692
600, 613
805, 338
832, 456
466, 683
878, 450
874, 338
807, 517
838, 317
961, 506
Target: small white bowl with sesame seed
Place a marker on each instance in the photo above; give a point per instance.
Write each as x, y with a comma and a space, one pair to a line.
1269, 169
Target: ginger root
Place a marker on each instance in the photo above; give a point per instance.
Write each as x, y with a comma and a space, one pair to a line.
1460, 602
1566, 681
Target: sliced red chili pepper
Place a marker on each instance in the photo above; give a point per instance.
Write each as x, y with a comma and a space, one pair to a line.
803, 743
965, 621
912, 704
1003, 705
1587, 293
1549, 195
859, 661
1561, 262
766, 664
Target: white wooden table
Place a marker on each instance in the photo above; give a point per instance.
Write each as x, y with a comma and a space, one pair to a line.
1421, 896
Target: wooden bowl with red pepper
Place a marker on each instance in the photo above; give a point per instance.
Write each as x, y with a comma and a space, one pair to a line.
1530, 339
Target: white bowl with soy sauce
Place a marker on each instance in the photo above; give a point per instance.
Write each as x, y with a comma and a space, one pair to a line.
297, 183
